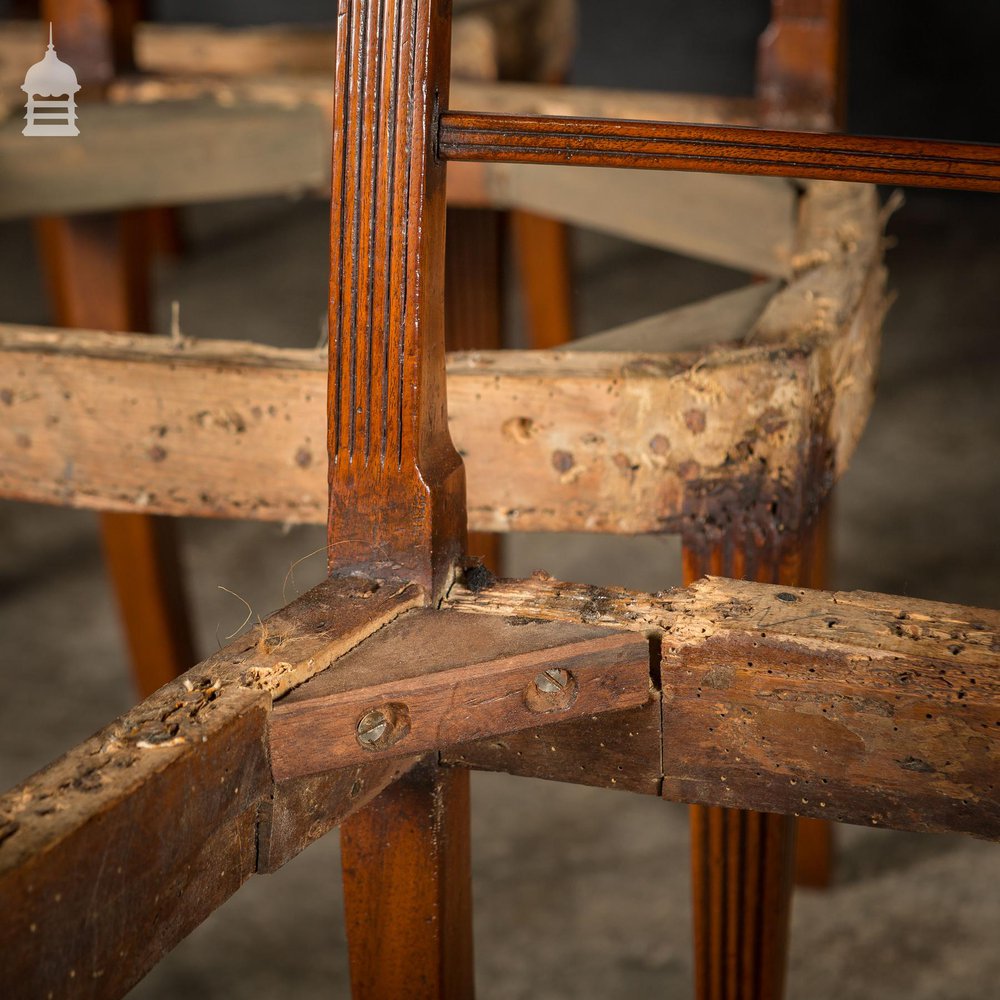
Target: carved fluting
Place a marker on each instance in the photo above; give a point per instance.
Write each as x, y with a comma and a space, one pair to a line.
395, 478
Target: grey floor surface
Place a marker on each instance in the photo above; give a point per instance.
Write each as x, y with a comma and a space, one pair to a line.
579, 893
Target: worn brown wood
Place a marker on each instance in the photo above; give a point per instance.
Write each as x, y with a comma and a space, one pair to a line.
620, 750
679, 436
586, 142
113, 853
408, 891
441, 678
802, 64
397, 484
542, 259
301, 810
809, 703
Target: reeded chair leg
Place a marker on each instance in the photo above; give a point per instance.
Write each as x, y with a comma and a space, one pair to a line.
743, 862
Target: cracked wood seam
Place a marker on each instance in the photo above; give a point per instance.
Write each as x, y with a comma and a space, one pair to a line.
856, 707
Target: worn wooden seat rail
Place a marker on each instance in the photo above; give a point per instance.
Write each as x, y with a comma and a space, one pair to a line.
365, 702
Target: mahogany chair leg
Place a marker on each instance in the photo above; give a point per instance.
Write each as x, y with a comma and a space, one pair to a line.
542, 255
473, 311
742, 862
97, 270
408, 889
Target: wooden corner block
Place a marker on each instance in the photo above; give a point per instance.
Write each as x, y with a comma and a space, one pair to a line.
433, 679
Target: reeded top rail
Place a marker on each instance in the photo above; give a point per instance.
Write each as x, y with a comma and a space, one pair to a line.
595, 142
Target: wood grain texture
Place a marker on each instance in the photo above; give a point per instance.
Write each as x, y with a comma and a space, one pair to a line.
408, 891
620, 750
853, 707
719, 149
397, 485
455, 679
155, 816
741, 862
301, 810
678, 439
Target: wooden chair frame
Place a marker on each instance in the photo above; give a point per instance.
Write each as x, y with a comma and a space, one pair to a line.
870, 709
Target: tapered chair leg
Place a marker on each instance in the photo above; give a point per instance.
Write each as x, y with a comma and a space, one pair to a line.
97, 268
408, 889
742, 862
542, 258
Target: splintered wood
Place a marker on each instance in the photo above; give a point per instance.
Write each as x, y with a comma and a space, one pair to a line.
854, 707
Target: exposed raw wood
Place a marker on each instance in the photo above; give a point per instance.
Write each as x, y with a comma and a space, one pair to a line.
748, 224
132, 156
588, 441
722, 319
179, 779
854, 707
438, 678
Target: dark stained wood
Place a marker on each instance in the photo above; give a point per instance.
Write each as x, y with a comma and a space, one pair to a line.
446, 679
620, 750
98, 270
474, 311
302, 810
802, 64
397, 485
719, 149
408, 891
808, 703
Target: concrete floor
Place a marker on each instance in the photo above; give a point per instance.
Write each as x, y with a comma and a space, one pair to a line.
579, 893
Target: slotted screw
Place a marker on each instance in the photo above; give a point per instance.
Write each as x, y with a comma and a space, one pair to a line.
552, 681
372, 727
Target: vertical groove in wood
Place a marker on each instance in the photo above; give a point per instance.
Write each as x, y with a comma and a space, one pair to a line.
97, 269
397, 500
397, 488
742, 862
408, 889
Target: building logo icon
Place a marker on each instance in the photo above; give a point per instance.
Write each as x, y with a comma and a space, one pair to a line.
51, 78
